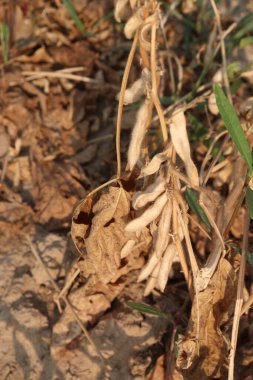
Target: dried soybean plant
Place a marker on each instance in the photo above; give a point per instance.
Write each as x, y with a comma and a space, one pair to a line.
143, 210
158, 205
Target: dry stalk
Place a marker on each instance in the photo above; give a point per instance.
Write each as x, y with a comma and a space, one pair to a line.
154, 84
223, 50
208, 156
239, 298
121, 101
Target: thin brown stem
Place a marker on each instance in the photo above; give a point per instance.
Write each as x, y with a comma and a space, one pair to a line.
239, 298
154, 84
121, 101
223, 51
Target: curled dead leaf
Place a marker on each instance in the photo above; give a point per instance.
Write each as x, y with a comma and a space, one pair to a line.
80, 222
214, 305
98, 231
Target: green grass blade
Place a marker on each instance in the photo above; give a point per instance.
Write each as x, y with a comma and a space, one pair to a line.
5, 40
193, 202
73, 14
250, 258
249, 200
246, 41
146, 309
232, 123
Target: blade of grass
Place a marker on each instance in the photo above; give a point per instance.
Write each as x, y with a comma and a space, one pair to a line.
73, 14
193, 202
249, 200
5, 40
232, 123
246, 41
250, 258
146, 309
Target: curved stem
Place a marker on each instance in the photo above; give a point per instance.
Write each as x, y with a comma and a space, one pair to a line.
121, 101
154, 84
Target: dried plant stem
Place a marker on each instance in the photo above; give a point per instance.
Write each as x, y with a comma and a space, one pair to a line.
94, 191
193, 261
144, 148
64, 297
59, 75
224, 220
201, 98
239, 298
172, 77
121, 101
199, 226
213, 163
223, 50
68, 284
154, 84
208, 156
180, 250
194, 266
212, 222
144, 57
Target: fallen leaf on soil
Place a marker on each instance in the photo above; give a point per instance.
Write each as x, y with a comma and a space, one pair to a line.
215, 305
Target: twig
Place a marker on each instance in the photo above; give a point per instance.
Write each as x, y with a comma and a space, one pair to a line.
223, 51
180, 251
208, 156
212, 222
154, 84
217, 156
31, 75
121, 101
172, 77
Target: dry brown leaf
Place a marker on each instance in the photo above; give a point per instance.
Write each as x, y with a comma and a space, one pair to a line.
78, 54
23, 25
59, 191
158, 373
215, 305
111, 206
81, 221
40, 55
89, 307
4, 142
101, 229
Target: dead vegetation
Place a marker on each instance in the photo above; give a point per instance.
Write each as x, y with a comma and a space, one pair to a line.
163, 219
